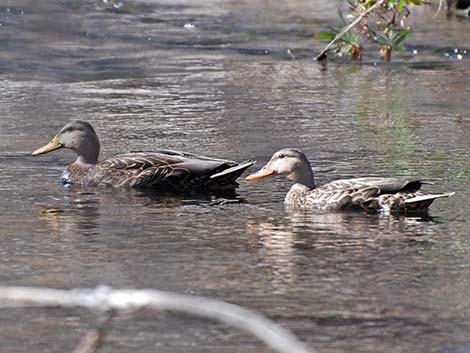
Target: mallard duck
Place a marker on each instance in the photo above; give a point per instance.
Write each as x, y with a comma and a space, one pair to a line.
167, 170
382, 194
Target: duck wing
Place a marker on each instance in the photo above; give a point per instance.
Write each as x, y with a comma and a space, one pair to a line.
170, 170
341, 198
386, 185
394, 193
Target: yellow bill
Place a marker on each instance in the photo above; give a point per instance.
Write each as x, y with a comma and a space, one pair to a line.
54, 144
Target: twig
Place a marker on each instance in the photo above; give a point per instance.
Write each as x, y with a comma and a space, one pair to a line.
108, 299
438, 9
94, 336
346, 29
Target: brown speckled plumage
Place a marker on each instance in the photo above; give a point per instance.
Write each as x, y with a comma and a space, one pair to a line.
165, 170
374, 193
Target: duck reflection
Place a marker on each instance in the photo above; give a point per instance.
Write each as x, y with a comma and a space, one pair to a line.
86, 212
343, 226
286, 244
76, 212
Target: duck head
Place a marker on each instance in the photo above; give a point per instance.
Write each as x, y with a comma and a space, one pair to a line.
289, 162
78, 136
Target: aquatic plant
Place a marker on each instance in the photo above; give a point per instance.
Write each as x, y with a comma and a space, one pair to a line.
380, 21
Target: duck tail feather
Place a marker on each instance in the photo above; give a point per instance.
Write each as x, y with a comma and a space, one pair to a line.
428, 197
234, 171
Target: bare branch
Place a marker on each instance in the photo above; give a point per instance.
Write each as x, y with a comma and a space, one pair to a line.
94, 336
438, 9
108, 299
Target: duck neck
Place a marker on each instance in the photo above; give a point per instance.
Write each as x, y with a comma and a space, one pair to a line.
85, 160
89, 152
303, 176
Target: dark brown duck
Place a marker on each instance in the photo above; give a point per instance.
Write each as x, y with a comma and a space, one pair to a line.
167, 170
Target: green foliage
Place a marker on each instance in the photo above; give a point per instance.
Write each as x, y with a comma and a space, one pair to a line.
389, 39
326, 35
379, 21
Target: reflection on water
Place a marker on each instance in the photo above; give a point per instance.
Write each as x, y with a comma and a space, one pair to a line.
347, 227
278, 242
228, 87
78, 212
85, 220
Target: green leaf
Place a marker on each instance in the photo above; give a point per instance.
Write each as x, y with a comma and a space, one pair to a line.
400, 5
382, 39
389, 31
350, 39
325, 36
352, 4
417, 2
369, 3
342, 20
400, 37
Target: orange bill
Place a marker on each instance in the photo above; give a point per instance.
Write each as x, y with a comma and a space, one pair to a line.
260, 174
54, 144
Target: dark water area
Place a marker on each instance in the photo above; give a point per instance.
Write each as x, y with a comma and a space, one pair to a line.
234, 79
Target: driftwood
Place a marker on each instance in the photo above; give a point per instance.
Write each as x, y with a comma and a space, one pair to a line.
107, 300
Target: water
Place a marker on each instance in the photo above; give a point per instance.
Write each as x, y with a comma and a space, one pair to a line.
228, 87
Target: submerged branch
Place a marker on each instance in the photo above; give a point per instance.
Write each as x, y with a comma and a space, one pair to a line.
106, 299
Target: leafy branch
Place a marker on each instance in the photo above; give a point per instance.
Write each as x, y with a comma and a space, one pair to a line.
381, 21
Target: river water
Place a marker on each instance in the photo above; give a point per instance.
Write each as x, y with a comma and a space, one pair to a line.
234, 79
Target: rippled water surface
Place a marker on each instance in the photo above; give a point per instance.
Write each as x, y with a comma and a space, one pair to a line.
234, 79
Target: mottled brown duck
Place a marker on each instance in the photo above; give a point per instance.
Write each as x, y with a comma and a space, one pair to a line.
166, 170
373, 193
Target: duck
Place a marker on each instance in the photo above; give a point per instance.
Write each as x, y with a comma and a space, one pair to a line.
165, 170
382, 194
459, 7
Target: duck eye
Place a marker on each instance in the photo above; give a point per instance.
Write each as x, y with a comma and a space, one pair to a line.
281, 155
